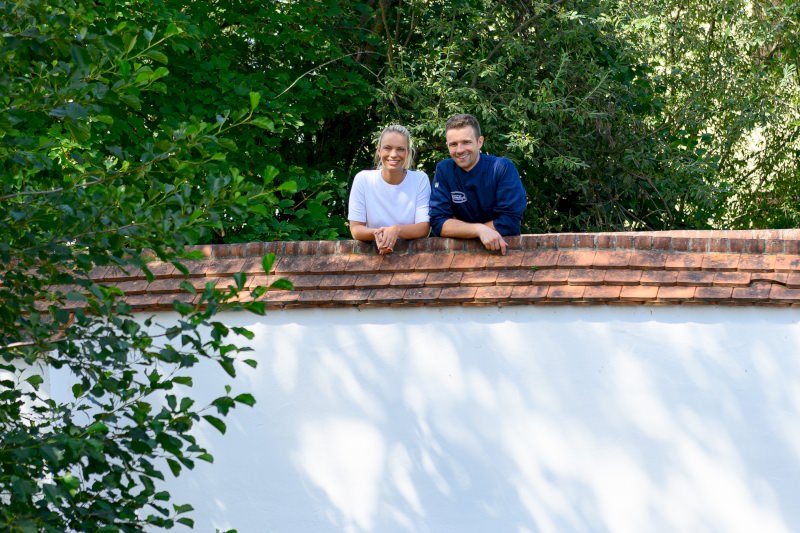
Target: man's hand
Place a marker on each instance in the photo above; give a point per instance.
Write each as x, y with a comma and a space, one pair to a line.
491, 239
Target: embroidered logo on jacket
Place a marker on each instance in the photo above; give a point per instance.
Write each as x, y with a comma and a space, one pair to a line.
458, 197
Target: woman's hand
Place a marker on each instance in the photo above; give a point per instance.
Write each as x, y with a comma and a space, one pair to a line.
386, 238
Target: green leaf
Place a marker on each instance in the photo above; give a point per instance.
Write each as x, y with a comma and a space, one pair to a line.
241, 279
246, 399
35, 380
269, 173
283, 284
174, 466
263, 123
288, 186
156, 55
183, 508
131, 100
255, 98
267, 262
216, 422
251, 362
186, 521
172, 29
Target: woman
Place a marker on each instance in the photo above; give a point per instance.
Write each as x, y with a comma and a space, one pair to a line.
390, 202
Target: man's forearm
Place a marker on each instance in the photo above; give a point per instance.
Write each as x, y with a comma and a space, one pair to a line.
463, 230
460, 229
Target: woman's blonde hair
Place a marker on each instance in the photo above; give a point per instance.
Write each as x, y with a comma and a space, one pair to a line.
402, 130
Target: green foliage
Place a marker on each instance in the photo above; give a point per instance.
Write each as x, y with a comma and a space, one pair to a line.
730, 70
93, 177
310, 69
561, 95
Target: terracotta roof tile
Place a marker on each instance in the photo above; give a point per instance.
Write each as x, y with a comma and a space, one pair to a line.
364, 263
515, 277
612, 259
550, 277
623, 277
684, 262
386, 296
757, 292
512, 259
225, 266
493, 293
161, 269
408, 279
779, 293
529, 293
748, 267
787, 263
732, 279
457, 294
585, 276
301, 282
464, 261
602, 292
434, 261
352, 297
338, 281
675, 294
565, 292
662, 278
443, 279
696, 278
398, 262
479, 278
722, 262
576, 258
638, 293
422, 294
714, 294
646, 260
373, 281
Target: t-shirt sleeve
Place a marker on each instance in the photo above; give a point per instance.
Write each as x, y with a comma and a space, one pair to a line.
423, 200
440, 208
357, 204
511, 200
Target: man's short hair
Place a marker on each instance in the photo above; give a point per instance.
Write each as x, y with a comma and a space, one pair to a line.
462, 121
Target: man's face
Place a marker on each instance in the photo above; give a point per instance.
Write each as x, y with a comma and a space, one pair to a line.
464, 146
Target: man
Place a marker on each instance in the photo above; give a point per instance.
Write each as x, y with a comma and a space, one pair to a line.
475, 195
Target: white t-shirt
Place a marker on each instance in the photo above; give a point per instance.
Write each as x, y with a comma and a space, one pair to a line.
379, 204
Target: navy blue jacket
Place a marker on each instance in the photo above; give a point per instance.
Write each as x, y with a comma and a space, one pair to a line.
491, 191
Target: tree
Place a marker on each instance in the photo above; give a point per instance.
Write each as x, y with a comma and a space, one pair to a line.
730, 76
93, 177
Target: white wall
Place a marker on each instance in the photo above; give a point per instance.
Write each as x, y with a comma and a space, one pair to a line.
521, 419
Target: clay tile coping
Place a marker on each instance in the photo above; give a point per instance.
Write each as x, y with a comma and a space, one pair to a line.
715, 267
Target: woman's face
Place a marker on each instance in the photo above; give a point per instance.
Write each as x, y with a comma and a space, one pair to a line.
393, 151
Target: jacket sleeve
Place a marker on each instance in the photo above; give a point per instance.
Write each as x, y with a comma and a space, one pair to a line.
511, 200
440, 209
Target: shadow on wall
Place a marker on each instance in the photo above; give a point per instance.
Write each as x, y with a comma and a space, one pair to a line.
524, 419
